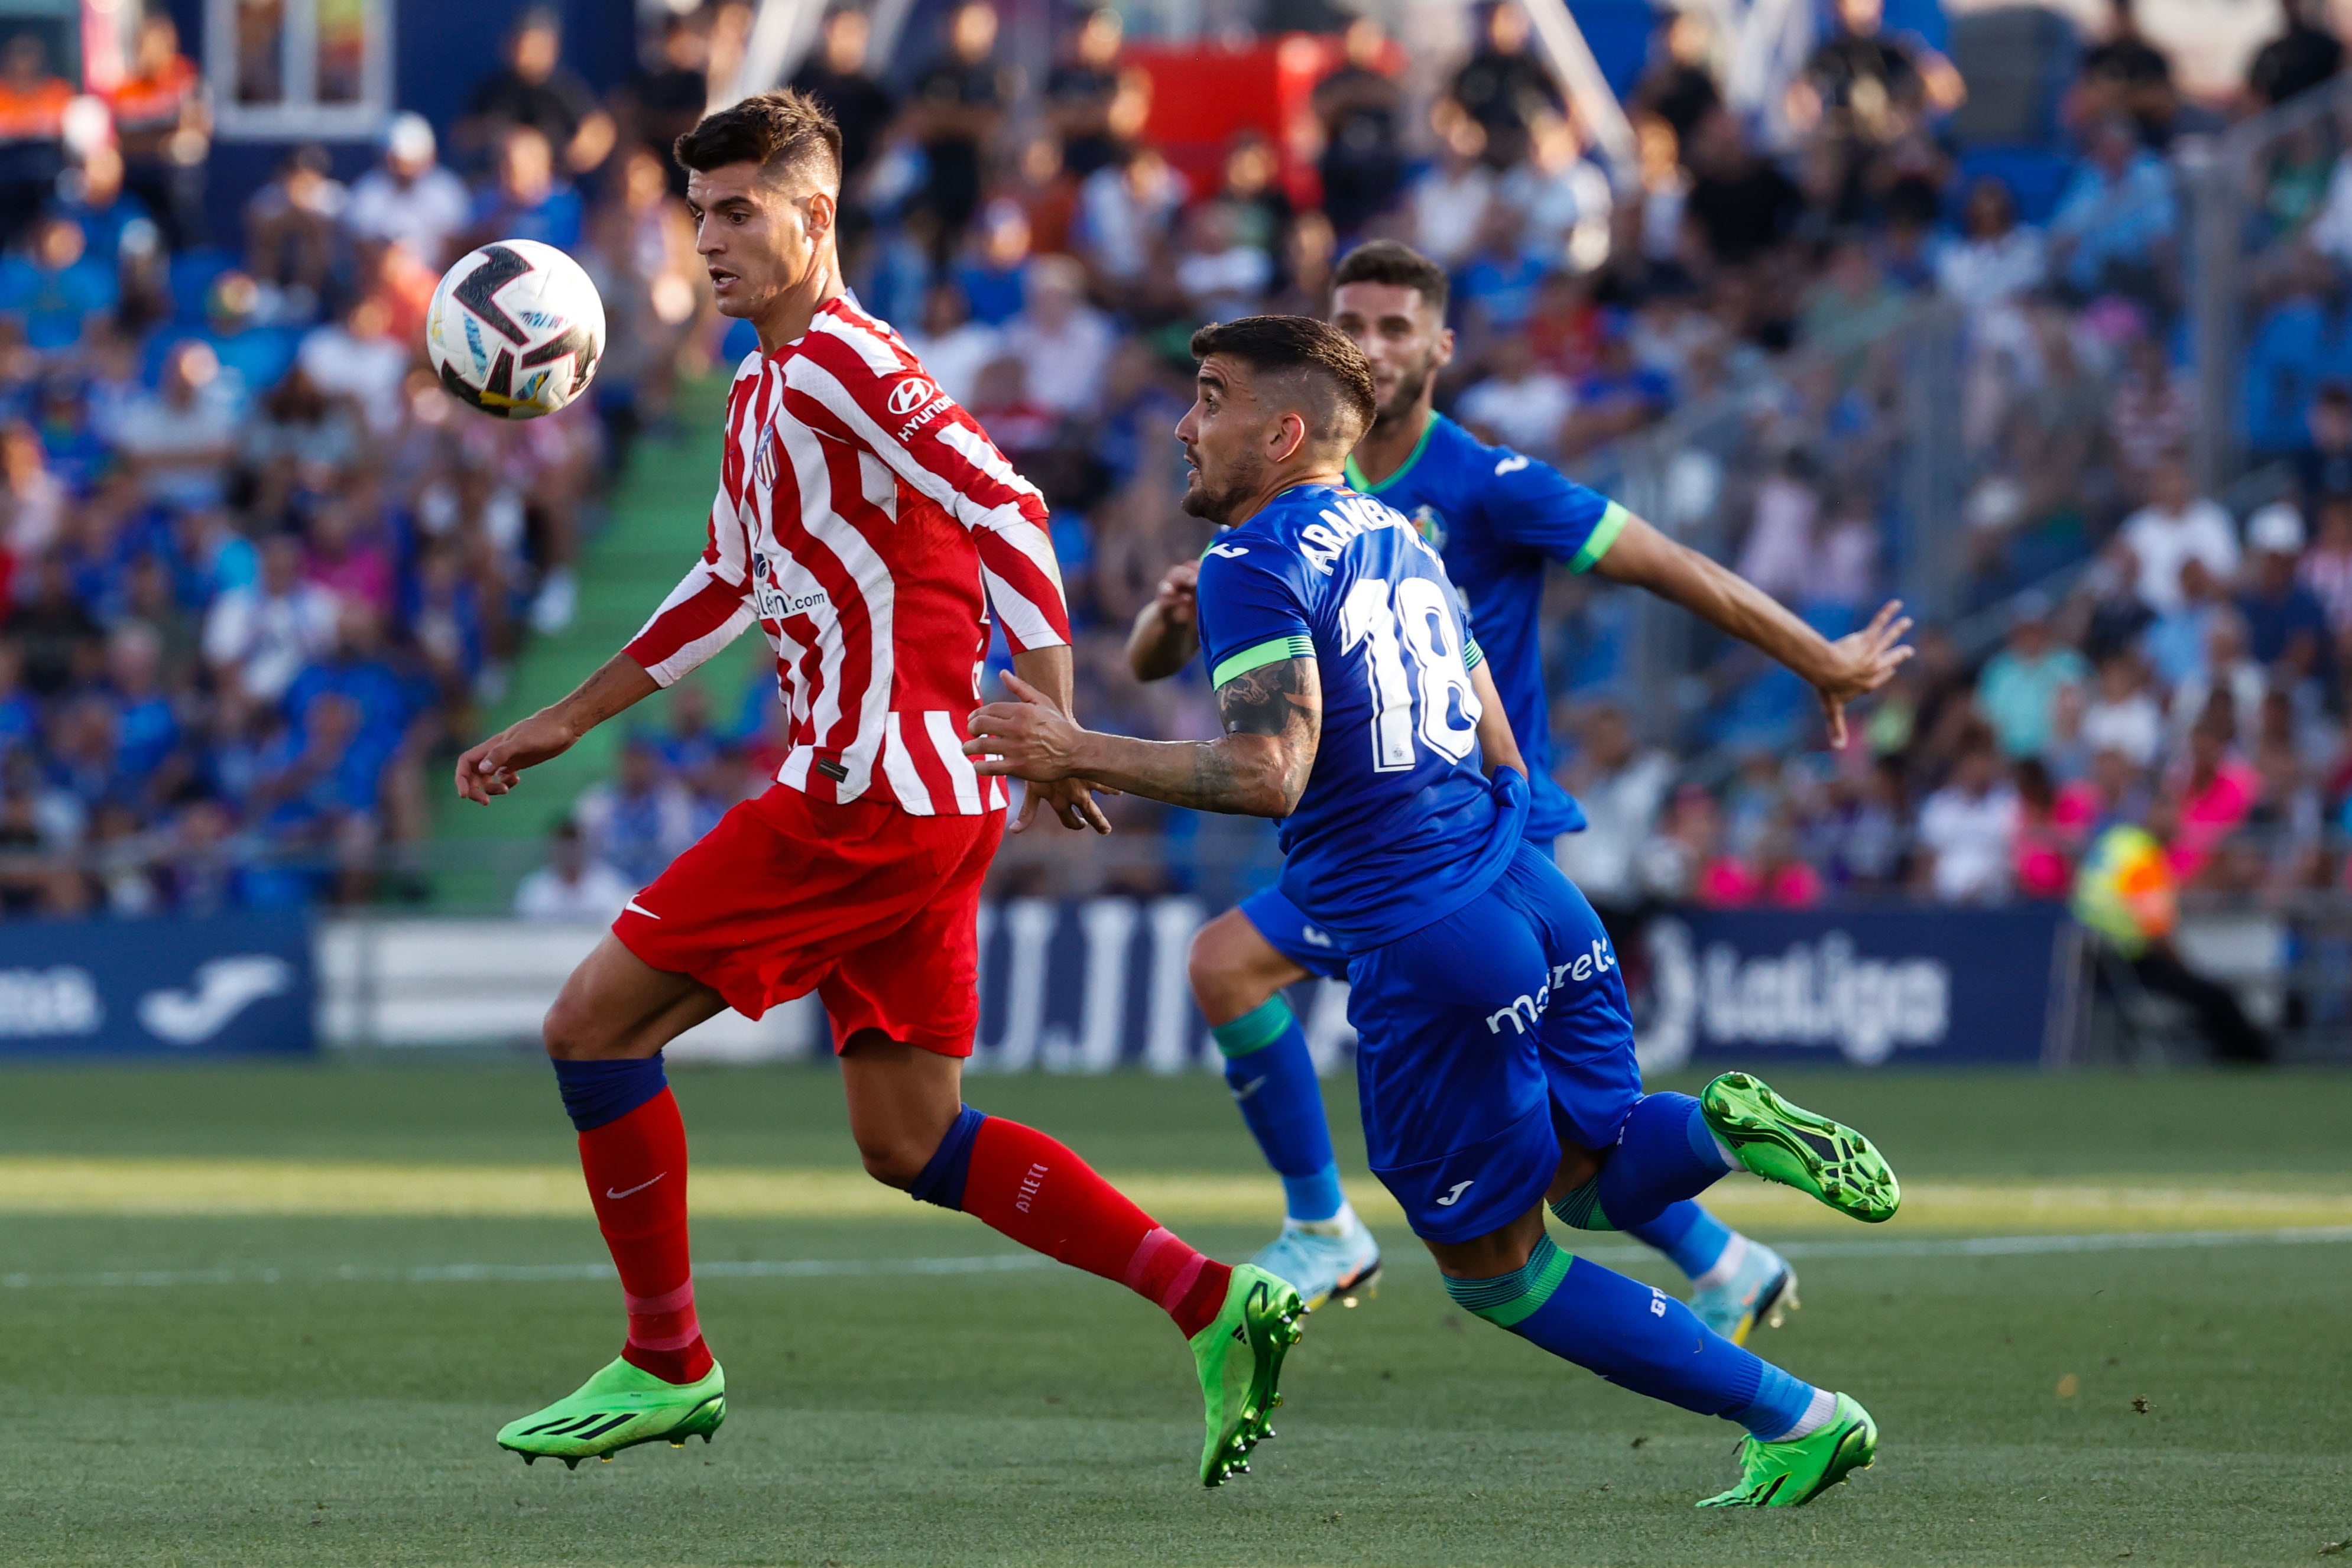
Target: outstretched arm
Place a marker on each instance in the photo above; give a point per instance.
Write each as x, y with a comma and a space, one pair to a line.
1273, 717
495, 766
1167, 632
1838, 672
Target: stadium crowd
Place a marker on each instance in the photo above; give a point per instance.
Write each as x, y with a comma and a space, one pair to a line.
261, 573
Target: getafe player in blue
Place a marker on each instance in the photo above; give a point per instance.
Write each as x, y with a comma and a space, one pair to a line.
1498, 518
1496, 1055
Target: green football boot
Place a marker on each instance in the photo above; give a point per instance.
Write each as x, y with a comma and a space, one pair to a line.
1791, 1474
1786, 1143
1240, 1360
618, 1408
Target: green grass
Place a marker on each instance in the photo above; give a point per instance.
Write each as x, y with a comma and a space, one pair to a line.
1041, 1416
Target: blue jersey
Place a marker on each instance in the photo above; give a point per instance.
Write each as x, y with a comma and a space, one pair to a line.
1398, 825
1496, 517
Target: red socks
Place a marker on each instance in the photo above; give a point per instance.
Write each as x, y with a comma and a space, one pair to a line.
1036, 1191
636, 1168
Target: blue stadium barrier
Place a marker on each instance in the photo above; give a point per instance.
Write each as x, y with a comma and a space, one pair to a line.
229, 984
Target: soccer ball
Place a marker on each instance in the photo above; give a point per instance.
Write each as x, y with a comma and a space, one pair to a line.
516, 330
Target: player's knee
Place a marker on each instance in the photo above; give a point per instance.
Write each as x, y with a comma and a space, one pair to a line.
892, 1159
568, 1031
1225, 967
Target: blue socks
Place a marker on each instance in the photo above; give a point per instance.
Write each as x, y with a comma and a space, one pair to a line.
943, 1177
595, 1093
1665, 1153
1273, 1080
1638, 1338
1688, 1234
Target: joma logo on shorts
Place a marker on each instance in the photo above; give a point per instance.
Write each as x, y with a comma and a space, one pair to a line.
1523, 1011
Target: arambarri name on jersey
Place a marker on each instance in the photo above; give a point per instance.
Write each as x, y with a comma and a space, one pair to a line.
1397, 826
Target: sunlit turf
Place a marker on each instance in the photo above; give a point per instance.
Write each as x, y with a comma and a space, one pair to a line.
332, 1401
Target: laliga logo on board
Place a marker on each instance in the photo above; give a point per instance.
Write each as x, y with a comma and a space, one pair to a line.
910, 394
1812, 994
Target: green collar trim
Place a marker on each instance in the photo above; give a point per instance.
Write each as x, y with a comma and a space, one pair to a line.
1356, 476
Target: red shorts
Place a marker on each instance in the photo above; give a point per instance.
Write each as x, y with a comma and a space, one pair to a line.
874, 910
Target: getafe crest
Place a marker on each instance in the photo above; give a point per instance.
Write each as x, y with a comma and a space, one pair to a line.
1430, 526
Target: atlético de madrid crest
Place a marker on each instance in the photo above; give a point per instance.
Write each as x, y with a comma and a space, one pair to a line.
764, 466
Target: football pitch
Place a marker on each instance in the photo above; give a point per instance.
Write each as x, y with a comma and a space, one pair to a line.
275, 1315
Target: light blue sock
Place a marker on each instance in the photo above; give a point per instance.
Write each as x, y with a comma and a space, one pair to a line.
1273, 1080
1638, 1338
1688, 1234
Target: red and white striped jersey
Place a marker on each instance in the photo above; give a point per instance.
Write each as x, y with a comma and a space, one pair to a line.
866, 523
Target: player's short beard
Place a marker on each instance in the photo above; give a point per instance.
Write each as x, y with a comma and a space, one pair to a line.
1409, 389
1218, 504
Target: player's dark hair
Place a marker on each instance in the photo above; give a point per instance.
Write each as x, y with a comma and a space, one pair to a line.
1397, 265
1303, 346
781, 131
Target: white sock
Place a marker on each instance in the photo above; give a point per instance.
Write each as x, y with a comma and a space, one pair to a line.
1340, 1224
1816, 1416
1735, 1253
1730, 1161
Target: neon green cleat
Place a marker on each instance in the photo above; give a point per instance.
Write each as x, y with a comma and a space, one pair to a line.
1240, 1360
1783, 1142
1791, 1474
618, 1408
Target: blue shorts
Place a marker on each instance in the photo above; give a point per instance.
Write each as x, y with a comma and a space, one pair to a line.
1293, 935
1482, 1041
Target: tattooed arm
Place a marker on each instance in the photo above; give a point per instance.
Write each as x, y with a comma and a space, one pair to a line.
1273, 717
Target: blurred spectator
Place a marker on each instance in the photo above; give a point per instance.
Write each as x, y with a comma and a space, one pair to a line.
2018, 694
2224, 680
1679, 87
638, 820
2154, 412
535, 91
291, 224
951, 345
116, 225
1221, 277
164, 129
1563, 198
526, 200
259, 638
54, 630
32, 130
2286, 626
1062, 342
1622, 786
835, 74
1083, 92
1125, 210
957, 106
1740, 204
671, 91
1362, 113
358, 360
2326, 569
2123, 718
2211, 790
1449, 199
177, 440
574, 888
2324, 467
2305, 53
59, 287
2177, 526
1502, 87
1521, 401
2112, 230
1864, 90
409, 199
1969, 829
2123, 74
1996, 260
991, 270
32, 498
2178, 640
2039, 867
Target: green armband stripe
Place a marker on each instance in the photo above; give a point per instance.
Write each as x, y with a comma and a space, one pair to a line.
1473, 656
1604, 534
1265, 653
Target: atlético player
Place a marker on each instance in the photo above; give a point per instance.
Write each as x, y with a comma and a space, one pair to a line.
861, 518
